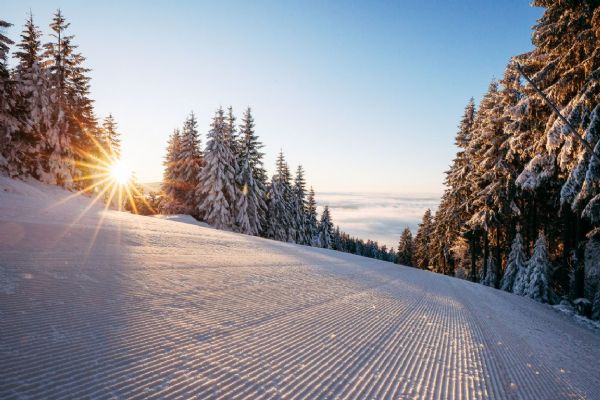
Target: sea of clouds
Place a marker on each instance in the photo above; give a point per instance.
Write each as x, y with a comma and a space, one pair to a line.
380, 217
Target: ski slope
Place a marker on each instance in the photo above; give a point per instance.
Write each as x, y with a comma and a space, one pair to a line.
108, 305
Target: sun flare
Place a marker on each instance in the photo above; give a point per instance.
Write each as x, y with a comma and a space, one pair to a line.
120, 173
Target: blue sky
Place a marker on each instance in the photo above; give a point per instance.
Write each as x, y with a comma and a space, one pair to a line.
366, 95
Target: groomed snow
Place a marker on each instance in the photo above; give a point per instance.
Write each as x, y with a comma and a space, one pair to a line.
104, 304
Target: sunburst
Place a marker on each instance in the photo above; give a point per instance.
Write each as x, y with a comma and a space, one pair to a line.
109, 181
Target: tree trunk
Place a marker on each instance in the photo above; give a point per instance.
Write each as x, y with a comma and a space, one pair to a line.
473, 251
486, 253
498, 255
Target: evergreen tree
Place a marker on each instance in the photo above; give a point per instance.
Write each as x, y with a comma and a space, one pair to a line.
250, 206
249, 137
112, 138
13, 146
491, 277
453, 211
312, 226
539, 279
280, 225
231, 134
72, 85
33, 95
216, 189
405, 248
242, 218
299, 206
326, 229
190, 164
174, 196
483, 210
515, 267
232, 141
423, 240
62, 66
336, 240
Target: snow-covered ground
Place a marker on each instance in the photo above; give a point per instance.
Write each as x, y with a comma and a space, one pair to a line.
104, 304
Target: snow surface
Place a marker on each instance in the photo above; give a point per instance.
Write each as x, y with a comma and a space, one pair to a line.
105, 304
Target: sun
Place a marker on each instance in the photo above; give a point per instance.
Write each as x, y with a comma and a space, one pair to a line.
120, 173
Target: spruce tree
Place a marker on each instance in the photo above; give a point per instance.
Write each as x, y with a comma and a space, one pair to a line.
491, 277
486, 199
174, 196
280, 225
217, 186
299, 206
326, 231
250, 206
248, 136
231, 134
423, 240
515, 266
312, 226
61, 61
453, 210
13, 147
539, 266
112, 138
406, 248
40, 132
190, 164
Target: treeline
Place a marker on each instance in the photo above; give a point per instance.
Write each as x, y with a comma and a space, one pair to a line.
521, 210
226, 185
48, 128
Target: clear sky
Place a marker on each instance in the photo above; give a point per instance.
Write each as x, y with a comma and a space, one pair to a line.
366, 95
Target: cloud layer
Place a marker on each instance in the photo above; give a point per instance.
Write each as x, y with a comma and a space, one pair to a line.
380, 217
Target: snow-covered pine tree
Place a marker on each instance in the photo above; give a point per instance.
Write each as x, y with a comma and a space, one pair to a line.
453, 211
189, 164
539, 266
251, 206
111, 138
61, 62
245, 181
12, 147
217, 186
336, 240
232, 141
488, 203
299, 206
491, 277
422, 241
40, 131
248, 135
312, 226
71, 82
288, 197
277, 211
231, 133
32, 99
280, 225
173, 201
405, 248
516, 267
326, 229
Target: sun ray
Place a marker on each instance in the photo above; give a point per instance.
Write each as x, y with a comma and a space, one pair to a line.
100, 222
78, 193
83, 212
